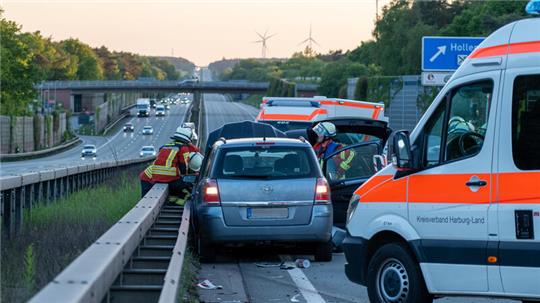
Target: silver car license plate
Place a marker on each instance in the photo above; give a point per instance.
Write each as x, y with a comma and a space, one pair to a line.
268, 213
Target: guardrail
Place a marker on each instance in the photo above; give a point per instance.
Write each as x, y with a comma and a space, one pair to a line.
22, 192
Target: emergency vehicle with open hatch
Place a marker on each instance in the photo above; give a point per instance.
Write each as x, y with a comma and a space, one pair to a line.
290, 113
458, 212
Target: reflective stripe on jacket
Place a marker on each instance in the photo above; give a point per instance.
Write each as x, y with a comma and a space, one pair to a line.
170, 164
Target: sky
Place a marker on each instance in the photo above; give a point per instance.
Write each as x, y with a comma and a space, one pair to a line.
201, 31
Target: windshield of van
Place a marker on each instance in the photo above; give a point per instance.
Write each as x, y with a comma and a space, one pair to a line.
288, 125
266, 162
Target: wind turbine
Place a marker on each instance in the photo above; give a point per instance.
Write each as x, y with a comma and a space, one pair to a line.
263, 40
309, 41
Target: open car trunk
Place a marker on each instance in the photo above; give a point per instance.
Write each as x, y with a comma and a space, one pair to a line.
362, 140
245, 129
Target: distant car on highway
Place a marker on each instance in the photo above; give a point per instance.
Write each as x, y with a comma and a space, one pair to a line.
184, 100
148, 150
89, 150
128, 127
256, 189
148, 130
153, 103
160, 110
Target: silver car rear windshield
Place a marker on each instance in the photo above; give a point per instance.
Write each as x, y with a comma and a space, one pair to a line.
266, 162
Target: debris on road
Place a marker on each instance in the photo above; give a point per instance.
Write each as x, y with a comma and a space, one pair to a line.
298, 263
295, 298
206, 284
302, 263
267, 265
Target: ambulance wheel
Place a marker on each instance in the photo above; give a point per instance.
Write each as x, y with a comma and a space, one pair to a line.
394, 276
323, 251
206, 250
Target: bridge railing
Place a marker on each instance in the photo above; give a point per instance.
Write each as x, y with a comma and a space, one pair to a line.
19, 193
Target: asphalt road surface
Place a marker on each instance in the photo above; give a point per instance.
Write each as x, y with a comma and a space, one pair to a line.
219, 111
118, 145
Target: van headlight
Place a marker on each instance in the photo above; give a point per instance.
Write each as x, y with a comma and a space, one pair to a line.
353, 203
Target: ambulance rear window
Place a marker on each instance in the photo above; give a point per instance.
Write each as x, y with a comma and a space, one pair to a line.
526, 122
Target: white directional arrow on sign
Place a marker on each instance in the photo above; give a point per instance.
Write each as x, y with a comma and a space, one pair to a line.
442, 51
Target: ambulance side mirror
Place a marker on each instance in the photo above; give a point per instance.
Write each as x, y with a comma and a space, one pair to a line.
402, 154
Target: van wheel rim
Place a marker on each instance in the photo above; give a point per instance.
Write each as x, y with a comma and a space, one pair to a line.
392, 282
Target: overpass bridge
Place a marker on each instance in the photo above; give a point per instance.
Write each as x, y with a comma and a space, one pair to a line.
83, 96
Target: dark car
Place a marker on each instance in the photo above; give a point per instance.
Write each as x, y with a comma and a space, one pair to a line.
128, 127
366, 138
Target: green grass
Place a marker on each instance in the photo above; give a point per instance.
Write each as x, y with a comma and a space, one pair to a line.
55, 234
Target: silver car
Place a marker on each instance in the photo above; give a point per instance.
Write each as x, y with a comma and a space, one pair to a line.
255, 189
147, 150
89, 150
148, 130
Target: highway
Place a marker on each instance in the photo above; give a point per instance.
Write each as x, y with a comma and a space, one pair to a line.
118, 145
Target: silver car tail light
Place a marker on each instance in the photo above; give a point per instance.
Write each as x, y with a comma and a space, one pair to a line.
211, 192
322, 192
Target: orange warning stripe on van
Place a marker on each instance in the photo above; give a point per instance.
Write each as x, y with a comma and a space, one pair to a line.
528, 184
500, 50
291, 117
513, 188
383, 189
447, 188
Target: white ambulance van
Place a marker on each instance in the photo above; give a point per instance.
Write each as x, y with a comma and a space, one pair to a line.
458, 212
291, 113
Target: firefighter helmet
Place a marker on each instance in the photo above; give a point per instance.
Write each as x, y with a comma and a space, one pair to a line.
183, 134
195, 161
326, 129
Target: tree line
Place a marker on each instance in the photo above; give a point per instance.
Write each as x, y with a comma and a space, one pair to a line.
394, 49
29, 58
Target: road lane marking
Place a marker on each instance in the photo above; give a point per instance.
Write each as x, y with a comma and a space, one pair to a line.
245, 110
305, 287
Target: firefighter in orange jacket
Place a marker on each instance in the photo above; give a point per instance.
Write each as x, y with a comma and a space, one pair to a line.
174, 160
326, 146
